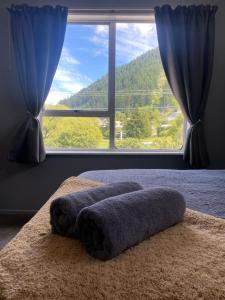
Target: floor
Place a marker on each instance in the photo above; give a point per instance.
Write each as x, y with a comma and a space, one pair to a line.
7, 233
10, 226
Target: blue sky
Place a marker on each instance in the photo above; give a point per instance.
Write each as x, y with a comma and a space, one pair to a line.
84, 57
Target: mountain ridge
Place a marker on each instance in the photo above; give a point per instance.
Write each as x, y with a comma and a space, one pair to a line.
143, 74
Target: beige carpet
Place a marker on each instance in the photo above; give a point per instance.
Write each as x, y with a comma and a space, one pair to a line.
183, 262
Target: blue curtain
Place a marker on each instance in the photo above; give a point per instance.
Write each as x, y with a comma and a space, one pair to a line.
37, 37
186, 42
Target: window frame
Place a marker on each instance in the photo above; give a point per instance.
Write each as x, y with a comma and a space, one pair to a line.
131, 17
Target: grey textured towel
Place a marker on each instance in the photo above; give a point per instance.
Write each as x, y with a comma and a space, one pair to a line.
111, 226
64, 210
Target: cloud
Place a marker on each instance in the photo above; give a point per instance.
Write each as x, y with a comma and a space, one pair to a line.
102, 29
100, 39
122, 26
67, 58
67, 80
63, 89
142, 30
56, 95
64, 74
66, 83
132, 40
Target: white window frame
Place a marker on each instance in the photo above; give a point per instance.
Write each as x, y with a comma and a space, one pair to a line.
110, 18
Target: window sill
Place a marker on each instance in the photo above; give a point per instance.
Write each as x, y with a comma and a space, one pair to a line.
111, 152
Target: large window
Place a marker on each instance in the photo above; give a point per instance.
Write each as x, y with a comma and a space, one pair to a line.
110, 92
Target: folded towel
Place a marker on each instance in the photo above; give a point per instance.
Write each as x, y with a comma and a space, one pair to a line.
111, 226
64, 210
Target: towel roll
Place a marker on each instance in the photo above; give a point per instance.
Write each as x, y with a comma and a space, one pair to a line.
113, 225
64, 210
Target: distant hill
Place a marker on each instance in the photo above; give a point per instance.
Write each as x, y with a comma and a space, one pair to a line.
133, 83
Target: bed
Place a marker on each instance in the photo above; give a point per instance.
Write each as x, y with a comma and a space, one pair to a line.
186, 261
204, 190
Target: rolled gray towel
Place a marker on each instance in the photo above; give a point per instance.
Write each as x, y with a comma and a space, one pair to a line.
64, 210
111, 226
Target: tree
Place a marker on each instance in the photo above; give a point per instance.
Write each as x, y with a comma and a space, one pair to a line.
129, 144
175, 130
72, 132
138, 124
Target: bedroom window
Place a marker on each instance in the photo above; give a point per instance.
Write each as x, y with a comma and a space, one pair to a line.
110, 91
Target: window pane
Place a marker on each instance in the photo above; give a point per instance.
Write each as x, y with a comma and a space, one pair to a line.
147, 114
68, 133
81, 80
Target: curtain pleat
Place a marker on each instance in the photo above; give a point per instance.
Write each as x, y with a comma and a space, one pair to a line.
37, 37
186, 37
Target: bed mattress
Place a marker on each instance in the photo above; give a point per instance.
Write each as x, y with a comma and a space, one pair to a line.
204, 190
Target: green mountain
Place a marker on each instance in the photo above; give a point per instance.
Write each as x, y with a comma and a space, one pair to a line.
138, 83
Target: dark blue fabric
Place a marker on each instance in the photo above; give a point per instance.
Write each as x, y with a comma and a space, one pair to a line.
204, 190
113, 225
37, 36
64, 210
186, 37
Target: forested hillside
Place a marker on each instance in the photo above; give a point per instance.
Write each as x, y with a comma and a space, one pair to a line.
136, 82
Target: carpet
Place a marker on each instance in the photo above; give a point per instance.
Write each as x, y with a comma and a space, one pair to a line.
186, 261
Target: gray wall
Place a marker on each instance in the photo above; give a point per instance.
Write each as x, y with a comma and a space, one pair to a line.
26, 188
